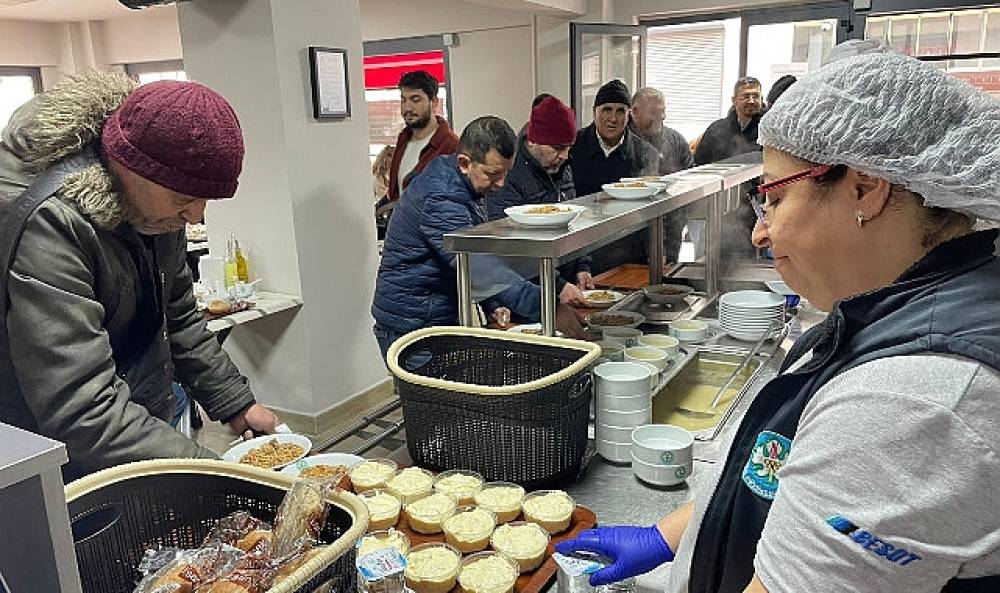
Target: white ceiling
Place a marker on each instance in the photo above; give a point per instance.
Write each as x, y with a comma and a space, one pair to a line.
62, 10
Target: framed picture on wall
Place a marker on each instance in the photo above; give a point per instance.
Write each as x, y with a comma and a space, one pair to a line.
331, 91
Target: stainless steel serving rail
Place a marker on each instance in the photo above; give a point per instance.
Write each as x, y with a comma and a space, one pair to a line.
604, 221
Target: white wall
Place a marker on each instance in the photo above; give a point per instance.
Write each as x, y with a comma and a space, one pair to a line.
495, 50
304, 202
25, 43
150, 35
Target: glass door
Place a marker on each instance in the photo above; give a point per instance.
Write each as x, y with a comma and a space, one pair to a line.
17, 85
791, 42
600, 53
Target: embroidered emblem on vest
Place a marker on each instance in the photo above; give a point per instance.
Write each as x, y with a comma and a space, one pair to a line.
766, 458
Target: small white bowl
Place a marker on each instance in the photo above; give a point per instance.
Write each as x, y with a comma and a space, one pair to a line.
668, 344
614, 452
662, 444
654, 375
654, 356
629, 336
238, 451
689, 330
523, 216
621, 378
621, 192
346, 459
615, 434
661, 475
624, 403
613, 350
619, 418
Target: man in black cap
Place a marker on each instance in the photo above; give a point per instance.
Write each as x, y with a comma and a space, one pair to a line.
604, 152
607, 150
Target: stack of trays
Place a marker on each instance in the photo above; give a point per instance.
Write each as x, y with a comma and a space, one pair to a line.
624, 401
748, 314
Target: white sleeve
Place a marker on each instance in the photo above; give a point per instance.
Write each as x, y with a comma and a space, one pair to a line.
886, 488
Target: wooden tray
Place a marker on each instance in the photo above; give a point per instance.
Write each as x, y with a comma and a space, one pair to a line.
529, 582
627, 276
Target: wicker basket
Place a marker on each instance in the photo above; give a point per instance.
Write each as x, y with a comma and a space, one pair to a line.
512, 407
118, 513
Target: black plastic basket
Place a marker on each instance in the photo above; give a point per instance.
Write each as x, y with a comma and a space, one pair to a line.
512, 407
115, 523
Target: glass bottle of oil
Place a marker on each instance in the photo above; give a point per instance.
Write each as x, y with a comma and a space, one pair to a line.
242, 273
231, 267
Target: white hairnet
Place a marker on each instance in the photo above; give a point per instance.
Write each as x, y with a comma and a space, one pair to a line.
896, 118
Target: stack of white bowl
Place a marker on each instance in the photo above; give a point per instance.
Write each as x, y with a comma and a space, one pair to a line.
662, 454
624, 401
747, 314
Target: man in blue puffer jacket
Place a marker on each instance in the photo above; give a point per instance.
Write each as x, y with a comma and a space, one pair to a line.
416, 285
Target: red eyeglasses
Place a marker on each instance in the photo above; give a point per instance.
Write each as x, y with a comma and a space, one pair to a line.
758, 193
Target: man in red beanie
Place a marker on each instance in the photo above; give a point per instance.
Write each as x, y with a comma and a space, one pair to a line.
542, 175
97, 314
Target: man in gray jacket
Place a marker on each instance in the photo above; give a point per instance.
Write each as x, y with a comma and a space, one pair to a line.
97, 314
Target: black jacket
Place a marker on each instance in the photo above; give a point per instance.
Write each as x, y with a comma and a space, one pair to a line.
945, 304
724, 139
529, 183
591, 169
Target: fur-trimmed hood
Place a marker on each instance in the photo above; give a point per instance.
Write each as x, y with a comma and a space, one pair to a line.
60, 122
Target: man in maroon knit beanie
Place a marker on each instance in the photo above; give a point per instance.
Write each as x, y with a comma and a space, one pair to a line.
98, 178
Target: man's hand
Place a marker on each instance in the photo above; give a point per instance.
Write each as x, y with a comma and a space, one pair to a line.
256, 418
584, 281
571, 295
501, 316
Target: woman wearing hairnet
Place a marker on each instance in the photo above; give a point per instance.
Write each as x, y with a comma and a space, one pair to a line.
883, 428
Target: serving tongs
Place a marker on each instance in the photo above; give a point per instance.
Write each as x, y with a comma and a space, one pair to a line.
711, 411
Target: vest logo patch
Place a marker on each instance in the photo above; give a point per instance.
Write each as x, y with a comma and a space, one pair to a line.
768, 455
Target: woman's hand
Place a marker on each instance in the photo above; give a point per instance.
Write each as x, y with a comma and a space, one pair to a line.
633, 550
584, 281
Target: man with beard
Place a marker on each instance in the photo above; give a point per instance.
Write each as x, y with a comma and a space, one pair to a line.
426, 135
737, 132
648, 111
416, 285
542, 175
97, 313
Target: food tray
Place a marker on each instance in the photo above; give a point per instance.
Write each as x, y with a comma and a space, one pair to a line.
529, 582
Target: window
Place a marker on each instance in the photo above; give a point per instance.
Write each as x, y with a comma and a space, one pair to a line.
17, 86
673, 52
382, 73
147, 72
384, 63
939, 35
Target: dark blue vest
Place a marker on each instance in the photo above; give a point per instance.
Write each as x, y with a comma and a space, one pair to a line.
948, 303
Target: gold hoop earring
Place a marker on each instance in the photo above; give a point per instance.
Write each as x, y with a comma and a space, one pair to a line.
861, 218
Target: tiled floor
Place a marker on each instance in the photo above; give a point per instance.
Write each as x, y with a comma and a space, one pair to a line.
217, 437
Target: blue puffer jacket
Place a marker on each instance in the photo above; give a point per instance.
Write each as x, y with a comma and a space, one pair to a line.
416, 285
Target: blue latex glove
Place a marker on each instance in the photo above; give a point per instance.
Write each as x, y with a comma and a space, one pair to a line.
634, 550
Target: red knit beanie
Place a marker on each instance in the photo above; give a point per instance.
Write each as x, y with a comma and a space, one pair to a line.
181, 135
552, 123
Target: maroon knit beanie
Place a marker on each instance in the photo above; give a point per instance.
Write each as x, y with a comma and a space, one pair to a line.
552, 123
181, 135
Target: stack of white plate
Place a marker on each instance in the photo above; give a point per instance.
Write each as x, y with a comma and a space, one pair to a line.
747, 314
624, 401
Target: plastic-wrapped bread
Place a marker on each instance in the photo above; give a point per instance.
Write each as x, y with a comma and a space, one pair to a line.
300, 519
234, 527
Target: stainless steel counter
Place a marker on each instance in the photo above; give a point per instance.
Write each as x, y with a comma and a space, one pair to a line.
606, 220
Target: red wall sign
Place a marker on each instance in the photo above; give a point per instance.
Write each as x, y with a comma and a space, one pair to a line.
383, 72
